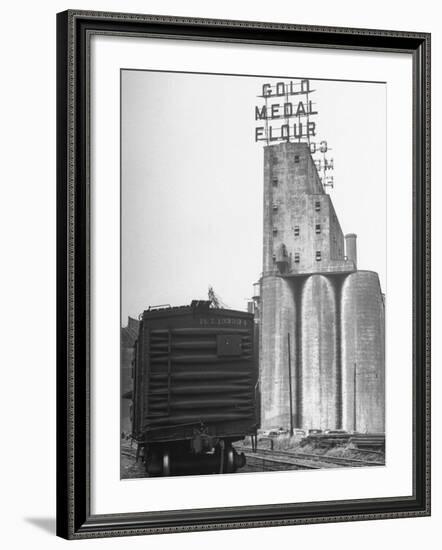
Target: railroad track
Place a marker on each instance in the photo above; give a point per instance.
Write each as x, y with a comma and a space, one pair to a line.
278, 459
129, 453
342, 460
306, 460
369, 451
268, 460
271, 461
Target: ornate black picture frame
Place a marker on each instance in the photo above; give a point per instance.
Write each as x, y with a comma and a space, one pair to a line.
74, 518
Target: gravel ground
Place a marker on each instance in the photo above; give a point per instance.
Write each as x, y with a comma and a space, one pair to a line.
129, 468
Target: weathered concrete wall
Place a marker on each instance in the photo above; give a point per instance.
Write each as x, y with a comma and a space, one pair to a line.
299, 215
290, 180
319, 354
335, 234
363, 353
278, 317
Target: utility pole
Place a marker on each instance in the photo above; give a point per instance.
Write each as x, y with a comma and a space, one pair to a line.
290, 385
354, 400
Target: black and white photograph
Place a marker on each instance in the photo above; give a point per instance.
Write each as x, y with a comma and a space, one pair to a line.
253, 273
243, 307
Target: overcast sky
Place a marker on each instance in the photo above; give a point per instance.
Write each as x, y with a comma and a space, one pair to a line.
192, 182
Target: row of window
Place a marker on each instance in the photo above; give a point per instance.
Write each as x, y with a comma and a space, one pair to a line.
296, 230
275, 159
317, 205
317, 229
318, 257
297, 257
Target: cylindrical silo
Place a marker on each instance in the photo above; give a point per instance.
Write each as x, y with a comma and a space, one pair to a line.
278, 319
319, 354
351, 249
363, 353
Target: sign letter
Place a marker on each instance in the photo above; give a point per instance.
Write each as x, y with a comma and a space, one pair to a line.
301, 109
305, 86
288, 109
259, 133
266, 89
280, 88
260, 114
275, 110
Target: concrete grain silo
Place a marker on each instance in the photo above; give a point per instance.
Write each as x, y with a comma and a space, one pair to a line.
363, 353
302, 237
319, 365
311, 289
278, 314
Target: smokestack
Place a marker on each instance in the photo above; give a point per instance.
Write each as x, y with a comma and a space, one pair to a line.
350, 248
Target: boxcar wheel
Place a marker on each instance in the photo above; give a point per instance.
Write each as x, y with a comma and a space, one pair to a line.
166, 463
230, 467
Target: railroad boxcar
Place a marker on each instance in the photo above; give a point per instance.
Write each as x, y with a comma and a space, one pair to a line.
195, 388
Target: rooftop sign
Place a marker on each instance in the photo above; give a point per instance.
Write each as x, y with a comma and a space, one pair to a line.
287, 113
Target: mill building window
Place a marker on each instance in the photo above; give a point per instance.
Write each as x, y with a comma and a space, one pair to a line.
318, 255
318, 228
317, 206
275, 182
296, 159
275, 206
296, 257
275, 231
296, 230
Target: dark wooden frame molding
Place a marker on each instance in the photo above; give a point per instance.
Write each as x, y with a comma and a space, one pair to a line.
74, 519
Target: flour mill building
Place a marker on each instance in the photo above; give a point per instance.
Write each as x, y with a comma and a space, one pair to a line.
321, 320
